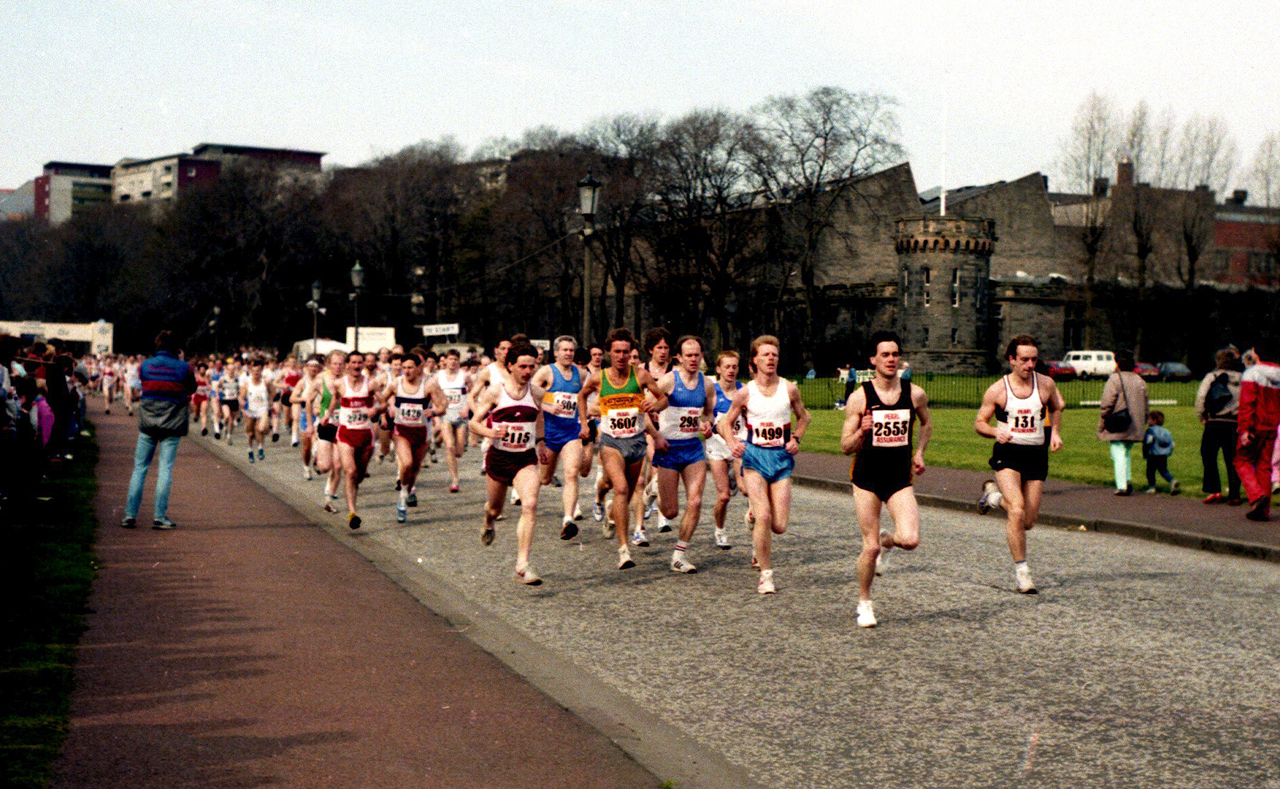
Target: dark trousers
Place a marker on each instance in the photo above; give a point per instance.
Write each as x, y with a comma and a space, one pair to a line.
1219, 436
1157, 464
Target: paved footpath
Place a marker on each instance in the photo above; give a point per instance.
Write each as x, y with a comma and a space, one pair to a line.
248, 648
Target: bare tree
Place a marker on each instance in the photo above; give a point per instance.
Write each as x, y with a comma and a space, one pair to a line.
806, 153
1264, 172
1207, 154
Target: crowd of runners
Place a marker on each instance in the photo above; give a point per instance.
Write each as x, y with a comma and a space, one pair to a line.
648, 418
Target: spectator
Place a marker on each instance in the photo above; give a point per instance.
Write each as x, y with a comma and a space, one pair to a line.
1217, 403
163, 414
1157, 446
1256, 426
1123, 413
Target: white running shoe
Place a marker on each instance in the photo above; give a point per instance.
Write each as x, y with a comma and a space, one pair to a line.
306, 473
722, 540
766, 582
984, 501
515, 497
1025, 584
663, 523
640, 538
866, 616
624, 559
682, 566
527, 576
577, 512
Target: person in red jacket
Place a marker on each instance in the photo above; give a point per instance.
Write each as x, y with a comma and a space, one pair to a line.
1256, 427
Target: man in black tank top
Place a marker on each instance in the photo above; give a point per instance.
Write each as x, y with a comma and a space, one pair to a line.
878, 426
1019, 457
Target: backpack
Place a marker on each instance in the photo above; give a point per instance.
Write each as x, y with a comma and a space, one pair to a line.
1219, 395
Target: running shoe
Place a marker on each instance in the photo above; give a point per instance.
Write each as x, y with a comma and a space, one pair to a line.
1175, 488
486, 534
597, 512
607, 529
306, 473
515, 497
251, 458
722, 540
866, 616
766, 582
294, 442
412, 499
129, 523
569, 530
163, 524
1025, 584
624, 559
276, 437
204, 431
664, 525
217, 434
555, 481
328, 507
262, 453
984, 504
755, 563
650, 508
640, 538
1150, 490
434, 459
577, 512
453, 488
1213, 498
402, 513
353, 521
682, 566
527, 576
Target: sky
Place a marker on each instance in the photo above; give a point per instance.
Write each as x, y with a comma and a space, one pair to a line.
101, 81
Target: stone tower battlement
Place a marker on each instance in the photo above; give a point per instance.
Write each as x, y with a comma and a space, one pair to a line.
943, 298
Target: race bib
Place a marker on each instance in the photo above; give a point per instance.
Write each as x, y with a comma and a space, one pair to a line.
690, 423
562, 404
519, 436
410, 413
353, 418
770, 434
890, 428
455, 396
624, 422
1023, 422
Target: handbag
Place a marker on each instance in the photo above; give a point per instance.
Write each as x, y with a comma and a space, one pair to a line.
1119, 420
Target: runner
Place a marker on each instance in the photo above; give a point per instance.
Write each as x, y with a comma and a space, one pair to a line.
257, 393
228, 400
300, 404
411, 393
493, 373
623, 425
687, 420
133, 382
657, 344
455, 383
323, 403
1020, 403
768, 454
878, 426
109, 376
508, 414
200, 400
356, 414
288, 380
560, 382
726, 469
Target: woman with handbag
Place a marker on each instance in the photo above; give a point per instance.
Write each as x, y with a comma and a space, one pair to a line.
1123, 416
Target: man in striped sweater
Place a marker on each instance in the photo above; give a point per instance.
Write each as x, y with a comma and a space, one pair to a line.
163, 413
1256, 426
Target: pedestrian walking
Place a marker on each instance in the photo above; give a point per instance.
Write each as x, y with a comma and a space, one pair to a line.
166, 384
1256, 426
1217, 404
1122, 417
1157, 446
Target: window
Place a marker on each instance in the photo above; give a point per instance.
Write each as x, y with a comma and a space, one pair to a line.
955, 287
955, 336
925, 344
926, 297
927, 275
168, 168
191, 172
998, 312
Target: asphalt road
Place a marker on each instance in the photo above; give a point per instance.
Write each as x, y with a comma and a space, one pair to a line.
1138, 664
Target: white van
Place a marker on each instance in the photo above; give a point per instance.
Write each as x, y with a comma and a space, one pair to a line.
1091, 364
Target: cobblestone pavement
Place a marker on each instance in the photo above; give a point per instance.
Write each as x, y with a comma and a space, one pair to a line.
1137, 664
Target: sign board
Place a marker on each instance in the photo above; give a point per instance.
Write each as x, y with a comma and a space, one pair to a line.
100, 335
541, 344
862, 376
372, 338
439, 329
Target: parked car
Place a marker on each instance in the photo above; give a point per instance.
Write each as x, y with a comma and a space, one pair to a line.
1059, 371
1091, 364
1175, 371
1147, 371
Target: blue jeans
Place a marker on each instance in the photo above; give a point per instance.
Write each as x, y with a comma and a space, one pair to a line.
164, 477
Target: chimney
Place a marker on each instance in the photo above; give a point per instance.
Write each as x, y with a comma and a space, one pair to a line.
1239, 196
1124, 174
1100, 186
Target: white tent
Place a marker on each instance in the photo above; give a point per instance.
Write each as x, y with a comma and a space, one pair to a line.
303, 348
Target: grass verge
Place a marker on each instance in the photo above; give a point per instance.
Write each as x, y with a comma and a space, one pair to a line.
48, 569
1083, 457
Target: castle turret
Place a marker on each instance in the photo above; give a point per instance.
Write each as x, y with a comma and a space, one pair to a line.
945, 270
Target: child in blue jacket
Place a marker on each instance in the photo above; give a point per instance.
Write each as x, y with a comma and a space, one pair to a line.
1157, 446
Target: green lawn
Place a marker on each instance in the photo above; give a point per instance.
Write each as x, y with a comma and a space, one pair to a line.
1083, 457
48, 568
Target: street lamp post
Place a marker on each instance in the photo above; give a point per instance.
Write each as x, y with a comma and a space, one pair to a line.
357, 284
216, 312
588, 195
317, 290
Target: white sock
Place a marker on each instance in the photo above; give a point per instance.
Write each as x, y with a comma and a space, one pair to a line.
404, 494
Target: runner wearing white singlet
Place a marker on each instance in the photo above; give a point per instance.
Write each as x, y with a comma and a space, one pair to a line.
304, 419
257, 393
726, 470
456, 385
414, 400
